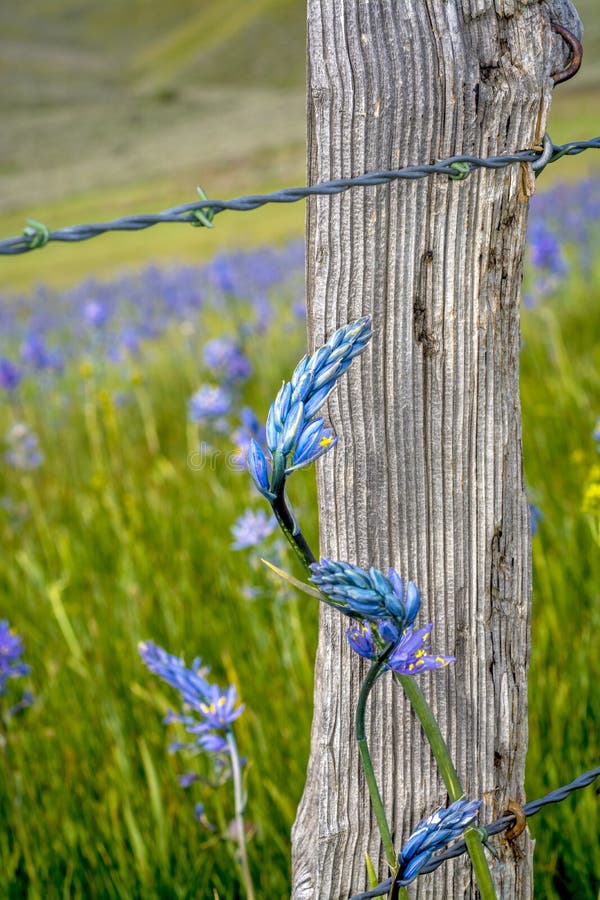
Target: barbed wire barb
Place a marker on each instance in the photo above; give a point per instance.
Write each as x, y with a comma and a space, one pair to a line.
202, 212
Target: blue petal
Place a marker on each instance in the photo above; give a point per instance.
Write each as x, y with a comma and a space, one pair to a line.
330, 373
316, 400
302, 388
271, 429
414, 866
300, 370
258, 468
413, 602
281, 405
292, 426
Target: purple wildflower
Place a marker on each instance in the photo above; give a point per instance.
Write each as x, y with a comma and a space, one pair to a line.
251, 529
200, 816
210, 402
208, 712
293, 437
546, 251
410, 656
187, 779
250, 429
10, 375
11, 650
360, 638
35, 353
535, 517
11, 666
96, 313
225, 358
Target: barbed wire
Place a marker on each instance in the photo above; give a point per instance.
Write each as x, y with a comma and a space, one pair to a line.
501, 824
202, 212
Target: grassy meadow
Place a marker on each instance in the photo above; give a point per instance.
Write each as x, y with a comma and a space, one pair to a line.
116, 530
122, 533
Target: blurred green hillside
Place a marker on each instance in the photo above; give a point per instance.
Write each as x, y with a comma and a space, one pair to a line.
119, 107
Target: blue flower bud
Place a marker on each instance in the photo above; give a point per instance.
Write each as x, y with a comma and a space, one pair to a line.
308, 439
291, 429
413, 602
303, 386
258, 468
271, 430
388, 631
317, 399
319, 358
329, 373
300, 370
281, 405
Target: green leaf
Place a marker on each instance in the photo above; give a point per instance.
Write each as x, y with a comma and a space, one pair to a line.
301, 585
371, 873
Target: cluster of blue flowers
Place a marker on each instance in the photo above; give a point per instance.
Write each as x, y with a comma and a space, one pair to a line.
295, 437
208, 711
251, 528
383, 607
11, 667
212, 402
562, 232
388, 611
44, 332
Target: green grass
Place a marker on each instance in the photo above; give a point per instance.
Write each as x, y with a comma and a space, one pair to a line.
560, 383
194, 92
122, 541
116, 539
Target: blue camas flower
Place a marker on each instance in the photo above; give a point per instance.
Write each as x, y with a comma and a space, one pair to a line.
210, 402
434, 834
11, 650
10, 375
208, 711
11, 666
367, 595
225, 358
294, 437
410, 657
252, 528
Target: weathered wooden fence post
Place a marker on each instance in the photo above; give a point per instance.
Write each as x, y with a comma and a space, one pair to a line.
428, 474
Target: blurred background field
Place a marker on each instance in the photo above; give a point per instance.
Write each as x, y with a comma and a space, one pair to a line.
114, 532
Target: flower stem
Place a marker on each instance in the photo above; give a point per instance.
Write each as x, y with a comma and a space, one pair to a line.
451, 780
361, 738
240, 828
290, 528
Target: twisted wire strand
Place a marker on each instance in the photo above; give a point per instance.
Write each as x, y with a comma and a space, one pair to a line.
202, 211
501, 824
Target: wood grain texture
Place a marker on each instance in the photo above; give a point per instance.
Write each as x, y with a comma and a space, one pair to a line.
427, 475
